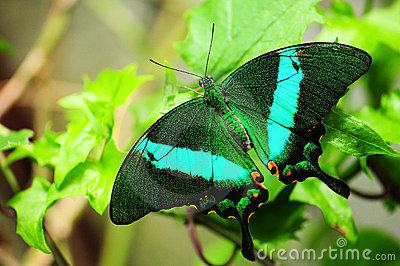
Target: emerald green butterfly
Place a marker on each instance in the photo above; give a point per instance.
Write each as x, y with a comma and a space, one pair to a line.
196, 154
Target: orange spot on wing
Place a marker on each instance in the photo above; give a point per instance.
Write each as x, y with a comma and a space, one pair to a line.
255, 195
289, 173
272, 165
212, 211
259, 205
231, 217
256, 175
248, 219
319, 157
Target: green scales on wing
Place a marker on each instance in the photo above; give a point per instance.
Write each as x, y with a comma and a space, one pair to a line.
196, 154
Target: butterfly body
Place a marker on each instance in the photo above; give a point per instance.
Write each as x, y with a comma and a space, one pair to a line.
215, 98
196, 154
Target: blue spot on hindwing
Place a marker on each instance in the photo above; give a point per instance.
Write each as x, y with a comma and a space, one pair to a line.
285, 103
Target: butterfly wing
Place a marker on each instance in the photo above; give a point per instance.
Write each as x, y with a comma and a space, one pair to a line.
188, 158
283, 95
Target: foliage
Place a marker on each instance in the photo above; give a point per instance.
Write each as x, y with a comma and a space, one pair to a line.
85, 158
76, 173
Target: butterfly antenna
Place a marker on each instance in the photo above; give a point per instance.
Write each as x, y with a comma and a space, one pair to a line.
209, 50
183, 71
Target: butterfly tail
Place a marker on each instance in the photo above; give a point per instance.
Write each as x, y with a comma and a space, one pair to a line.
335, 184
247, 242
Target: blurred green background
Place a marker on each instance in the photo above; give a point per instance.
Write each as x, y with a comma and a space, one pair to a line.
103, 34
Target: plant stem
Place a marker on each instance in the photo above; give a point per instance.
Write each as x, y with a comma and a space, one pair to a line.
9, 175
207, 223
369, 196
58, 256
202, 220
38, 56
196, 242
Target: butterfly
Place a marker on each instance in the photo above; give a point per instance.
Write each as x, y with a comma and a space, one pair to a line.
196, 154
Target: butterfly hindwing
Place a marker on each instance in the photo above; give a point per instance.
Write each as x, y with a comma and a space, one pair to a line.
186, 158
283, 95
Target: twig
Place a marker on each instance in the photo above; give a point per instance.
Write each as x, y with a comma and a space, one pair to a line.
390, 187
9, 212
369, 196
9, 175
38, 56
58, 256
197, 244
200, 219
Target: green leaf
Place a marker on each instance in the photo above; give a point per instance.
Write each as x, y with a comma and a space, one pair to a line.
385, 120
242, 31
31, 205
387, 127
93, 180
114, 86
10, 139
384, 46
377, 241
337, 213
354, 137
93, 116
43, 150
383, 73
364, 167
99, 191
278, 220
384, 22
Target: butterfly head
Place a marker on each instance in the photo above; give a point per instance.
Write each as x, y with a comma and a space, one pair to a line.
206, 83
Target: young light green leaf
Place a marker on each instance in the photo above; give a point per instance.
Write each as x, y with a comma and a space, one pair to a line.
10, 139
242, 31
354, 137
115, 86
99, 191
337, 213
93, 180
94, 116
31, 205
43, 150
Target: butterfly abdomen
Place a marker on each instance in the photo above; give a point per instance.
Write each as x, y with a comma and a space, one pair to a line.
232, 122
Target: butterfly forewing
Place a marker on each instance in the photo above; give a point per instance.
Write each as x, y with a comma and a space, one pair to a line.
282, 97
185, 158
